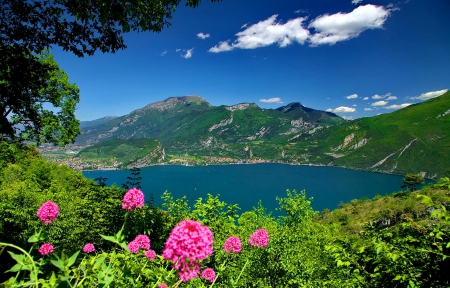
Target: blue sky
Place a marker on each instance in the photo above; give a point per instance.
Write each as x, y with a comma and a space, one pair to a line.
355, 58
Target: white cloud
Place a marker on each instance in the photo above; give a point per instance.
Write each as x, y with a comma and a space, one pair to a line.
391, 98
368, 109
202, 35
366, 98
188, 54
379, 103
331, 29
272, 100
356, 1
266, 33
300, 11
342, 109
376, 96
353, 96
395, 106
222, 47
164, 53
348, 117
429, 95
354, 105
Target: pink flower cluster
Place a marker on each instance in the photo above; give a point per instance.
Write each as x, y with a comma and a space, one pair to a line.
141, 241
188, 243
232, 244
259, 238
48, 212
45, 249
134, 198
208, 274
89, 248
163, 285
150, 254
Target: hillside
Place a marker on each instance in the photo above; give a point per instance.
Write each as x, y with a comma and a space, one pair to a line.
411, 140
136, 152
414, 139
190, 125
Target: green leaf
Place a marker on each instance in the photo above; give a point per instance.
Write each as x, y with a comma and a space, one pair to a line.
379, 249
33, 239
398, 277
58, 264
52, 279
109, 238
19, 258
15, 268
72, 259
99, 262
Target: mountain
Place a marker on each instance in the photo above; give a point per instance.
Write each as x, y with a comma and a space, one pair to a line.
84, 124
190, 125
415, 139
410, 140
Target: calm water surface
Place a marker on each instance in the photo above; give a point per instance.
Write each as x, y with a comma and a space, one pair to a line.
247, 183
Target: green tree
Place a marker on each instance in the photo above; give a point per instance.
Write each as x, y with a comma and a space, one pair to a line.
28, 79
37, 104
411, 181
81, 27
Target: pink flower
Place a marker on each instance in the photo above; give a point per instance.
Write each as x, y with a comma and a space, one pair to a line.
48, 212
134, 198
188, 243
150, 254
143, 241
45, 249
133, 246
163, 285
232, 244
208, 274
259, 238
188, 269
88, 248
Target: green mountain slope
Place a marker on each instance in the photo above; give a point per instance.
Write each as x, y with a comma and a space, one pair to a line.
191, 125
136, 152
414, 139
411, 140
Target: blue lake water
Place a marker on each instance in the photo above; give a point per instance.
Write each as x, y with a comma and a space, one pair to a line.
247, 183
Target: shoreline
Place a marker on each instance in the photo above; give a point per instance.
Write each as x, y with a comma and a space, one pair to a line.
268, 162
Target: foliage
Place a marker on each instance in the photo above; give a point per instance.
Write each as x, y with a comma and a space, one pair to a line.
84, 27
25, 99
133, 181
389, 241
411, 181
31, 80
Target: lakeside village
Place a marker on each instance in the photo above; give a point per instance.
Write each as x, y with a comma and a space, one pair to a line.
70, 158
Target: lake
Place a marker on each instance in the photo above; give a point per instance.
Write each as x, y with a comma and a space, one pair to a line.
245, 184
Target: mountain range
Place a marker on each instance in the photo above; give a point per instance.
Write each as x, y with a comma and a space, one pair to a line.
414, 139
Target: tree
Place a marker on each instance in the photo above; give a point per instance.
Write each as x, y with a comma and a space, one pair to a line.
28, 27
81, 26
411, 181
133, 181
37, 101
